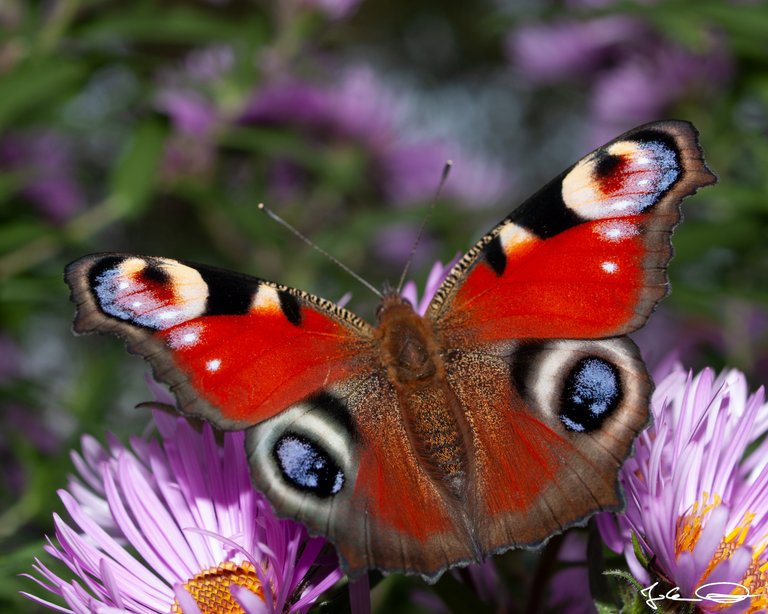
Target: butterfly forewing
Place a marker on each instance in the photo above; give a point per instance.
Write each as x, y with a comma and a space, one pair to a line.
235, 349
586, 256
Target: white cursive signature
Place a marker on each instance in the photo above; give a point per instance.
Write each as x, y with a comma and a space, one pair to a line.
673, 594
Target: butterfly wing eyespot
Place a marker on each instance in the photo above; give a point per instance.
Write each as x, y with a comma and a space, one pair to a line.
552, 422
306, 455
584, 384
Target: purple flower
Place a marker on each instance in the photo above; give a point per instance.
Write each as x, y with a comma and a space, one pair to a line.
437, 275
633, 74
645, 83
569, 587
548, 53
739, 335
193, 96
335, 9
697, 489
410, 173
45, 165
189, 111
355, 107
172, 525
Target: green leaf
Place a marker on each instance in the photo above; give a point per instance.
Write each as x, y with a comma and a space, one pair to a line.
604, 608
172, 25
134, 178
639, 552
33, 85
17, 233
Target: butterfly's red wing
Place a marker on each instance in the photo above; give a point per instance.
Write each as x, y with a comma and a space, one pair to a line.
326, 440
531, 324
234, 349
586, 256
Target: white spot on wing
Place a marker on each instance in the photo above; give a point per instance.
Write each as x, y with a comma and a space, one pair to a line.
185, 336
213, 365
609, 267
616, 231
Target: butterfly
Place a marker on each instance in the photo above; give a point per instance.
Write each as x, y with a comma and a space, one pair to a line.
497, 419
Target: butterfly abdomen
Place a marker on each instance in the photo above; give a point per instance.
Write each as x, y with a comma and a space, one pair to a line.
430, 411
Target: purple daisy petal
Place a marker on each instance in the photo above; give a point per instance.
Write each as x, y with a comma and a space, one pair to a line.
186, 508
696, 495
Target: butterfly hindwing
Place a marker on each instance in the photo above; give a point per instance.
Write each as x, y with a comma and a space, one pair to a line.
378, 505
552, 422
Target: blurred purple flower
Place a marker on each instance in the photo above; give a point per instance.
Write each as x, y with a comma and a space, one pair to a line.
632, 72
393, 243
697, 489
45, 165
357, 107
739, 336
10, 357
176, 525
569, 587
410, 173
23, 426
335, 9
548, 53
189, 111
189, 94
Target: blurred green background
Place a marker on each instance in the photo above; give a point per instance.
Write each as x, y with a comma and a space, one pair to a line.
156, 127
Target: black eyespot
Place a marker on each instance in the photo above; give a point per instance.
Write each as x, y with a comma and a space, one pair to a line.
606, 164
153, 274
591, 392
307, 466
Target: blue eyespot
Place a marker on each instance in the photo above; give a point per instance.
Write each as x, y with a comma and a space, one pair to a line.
307, 466
591, 392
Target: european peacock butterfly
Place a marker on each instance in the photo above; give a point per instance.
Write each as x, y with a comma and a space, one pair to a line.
497, 419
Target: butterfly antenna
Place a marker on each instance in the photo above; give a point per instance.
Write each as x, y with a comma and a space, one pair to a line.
443, 179
314, 246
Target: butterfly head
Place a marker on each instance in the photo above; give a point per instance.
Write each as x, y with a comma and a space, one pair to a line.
406, 340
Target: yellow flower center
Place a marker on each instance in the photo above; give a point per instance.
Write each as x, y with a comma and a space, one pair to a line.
755, 580
210, 588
